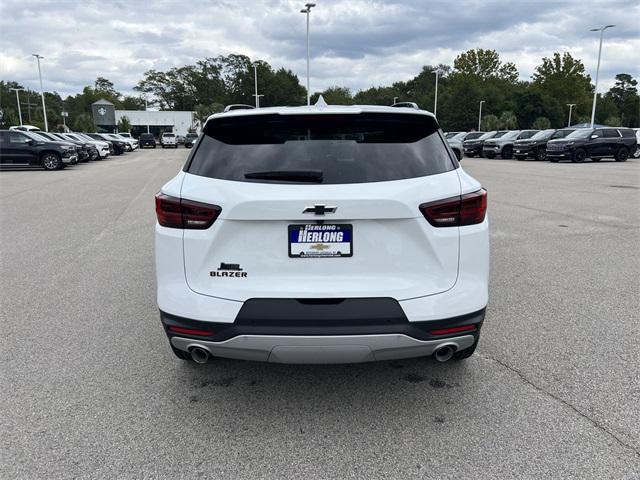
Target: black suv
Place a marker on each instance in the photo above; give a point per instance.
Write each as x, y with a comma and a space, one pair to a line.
23, 149
119, 147
595, 143
147, 140
536, 146
190, 139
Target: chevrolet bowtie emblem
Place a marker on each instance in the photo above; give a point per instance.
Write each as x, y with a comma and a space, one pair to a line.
320, 209
319, 247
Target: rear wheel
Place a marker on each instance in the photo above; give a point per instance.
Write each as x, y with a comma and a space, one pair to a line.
541, 154
622, 154
579, 155
507, 153
51, 161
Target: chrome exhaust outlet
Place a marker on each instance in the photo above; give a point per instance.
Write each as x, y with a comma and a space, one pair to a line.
199, 355
444, 353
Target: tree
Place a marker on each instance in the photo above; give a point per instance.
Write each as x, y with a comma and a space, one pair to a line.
490, 122
624, 95
612, 121
84, 123
485, 64
124, 125
508, 121
541, 123
334, 96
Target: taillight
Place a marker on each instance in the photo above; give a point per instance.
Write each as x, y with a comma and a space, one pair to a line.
180, 213
191, 331
448, 331
468, 209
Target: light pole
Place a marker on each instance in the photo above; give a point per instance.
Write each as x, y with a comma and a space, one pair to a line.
255, 77
18, 100
595, 91
480, 115
307, 11
570, 105
146, 114
435, 102
44, 107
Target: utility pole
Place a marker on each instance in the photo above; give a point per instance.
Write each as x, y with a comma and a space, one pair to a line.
18, 101
595, 90
480, 115
29, 105
44, 107
570, 105
307, 10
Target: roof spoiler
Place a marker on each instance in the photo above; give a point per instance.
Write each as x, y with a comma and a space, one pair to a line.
237, 106
406, 105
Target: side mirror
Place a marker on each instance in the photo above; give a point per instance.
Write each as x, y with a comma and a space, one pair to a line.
594, 136
30, 142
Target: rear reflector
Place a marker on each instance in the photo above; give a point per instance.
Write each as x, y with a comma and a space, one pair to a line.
191, 331
181, 213
446, 331
468, 209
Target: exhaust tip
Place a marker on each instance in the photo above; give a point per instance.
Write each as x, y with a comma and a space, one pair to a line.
444, 354
199, 355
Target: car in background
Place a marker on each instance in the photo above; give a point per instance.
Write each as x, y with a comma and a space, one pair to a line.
637, 152
180, 139
449, 135
168, 139
473, 146
119, 146
503, 145
19, 149
131, 144
53, 137
25, 128
85, 151
190, 139
594, 143
536, 146
147, 140
102, 146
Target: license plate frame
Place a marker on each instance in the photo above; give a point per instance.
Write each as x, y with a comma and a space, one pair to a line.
315, 246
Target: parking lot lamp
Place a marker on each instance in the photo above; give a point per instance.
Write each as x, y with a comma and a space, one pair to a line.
595, 90
435, 102
44, 108
255, 78
307, 11
18, 100
570, 105
480, 115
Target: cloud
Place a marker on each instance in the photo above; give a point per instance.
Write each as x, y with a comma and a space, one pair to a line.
355, 43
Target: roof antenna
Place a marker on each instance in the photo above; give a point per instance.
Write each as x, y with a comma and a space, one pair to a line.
321, 103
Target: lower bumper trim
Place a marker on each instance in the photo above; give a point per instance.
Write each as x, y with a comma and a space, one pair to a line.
322, 349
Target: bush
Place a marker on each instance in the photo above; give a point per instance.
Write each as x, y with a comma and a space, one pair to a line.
541, 123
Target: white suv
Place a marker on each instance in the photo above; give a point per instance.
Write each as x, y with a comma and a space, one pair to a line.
168, 139
322, 235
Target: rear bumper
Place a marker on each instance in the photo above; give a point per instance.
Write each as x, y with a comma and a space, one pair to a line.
322, 349
379, 330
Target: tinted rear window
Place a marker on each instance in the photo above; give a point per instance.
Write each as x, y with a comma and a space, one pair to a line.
627, 132
348, 148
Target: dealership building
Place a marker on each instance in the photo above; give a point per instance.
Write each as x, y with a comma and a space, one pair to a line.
106, 118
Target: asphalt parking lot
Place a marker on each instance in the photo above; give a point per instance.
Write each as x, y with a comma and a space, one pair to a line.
90, 388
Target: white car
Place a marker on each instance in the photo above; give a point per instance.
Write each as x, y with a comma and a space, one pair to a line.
168, 139
131, 143
102, 147
323, 234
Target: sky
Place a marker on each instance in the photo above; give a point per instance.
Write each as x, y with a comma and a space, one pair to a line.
355, 43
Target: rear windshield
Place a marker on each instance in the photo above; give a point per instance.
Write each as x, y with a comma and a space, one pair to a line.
168, 135
327, 149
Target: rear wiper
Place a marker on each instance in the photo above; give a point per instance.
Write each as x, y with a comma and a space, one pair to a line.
314, 176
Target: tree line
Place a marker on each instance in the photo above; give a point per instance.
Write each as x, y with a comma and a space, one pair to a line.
477, 74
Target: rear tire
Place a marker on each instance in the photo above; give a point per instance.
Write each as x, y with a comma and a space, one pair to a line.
507, 153
579, 155
467, 352
622, 154
541, 154
51, 161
